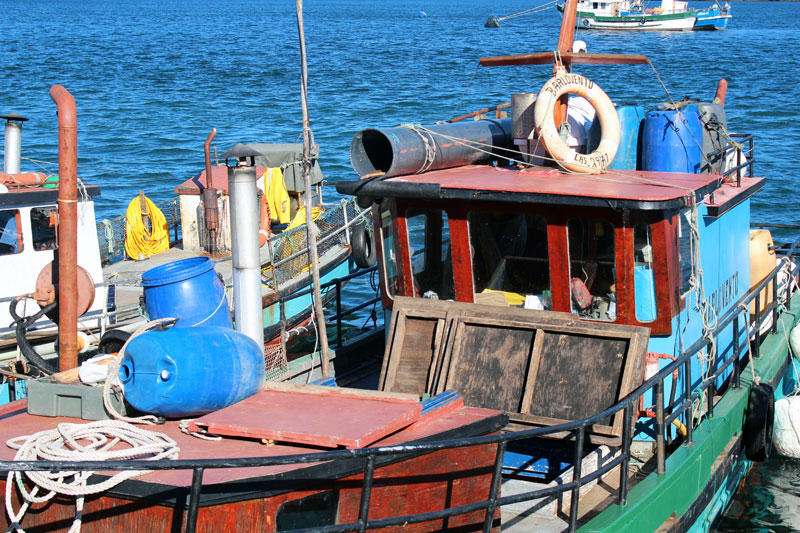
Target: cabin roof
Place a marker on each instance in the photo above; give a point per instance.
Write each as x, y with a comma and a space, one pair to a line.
23, 195
619, 188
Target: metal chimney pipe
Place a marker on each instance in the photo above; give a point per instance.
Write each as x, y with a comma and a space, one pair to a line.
211, 217
67, 228
244, 242
13, 142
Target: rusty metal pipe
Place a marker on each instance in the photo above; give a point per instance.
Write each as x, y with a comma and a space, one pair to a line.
67, 227
211, 213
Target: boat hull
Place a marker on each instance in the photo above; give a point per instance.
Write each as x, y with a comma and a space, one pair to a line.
644, 22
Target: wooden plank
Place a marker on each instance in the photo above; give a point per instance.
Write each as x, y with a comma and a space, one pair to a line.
303, 388
533, 370
575, 58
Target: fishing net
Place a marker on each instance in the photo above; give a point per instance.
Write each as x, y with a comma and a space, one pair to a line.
290, 248
275, 363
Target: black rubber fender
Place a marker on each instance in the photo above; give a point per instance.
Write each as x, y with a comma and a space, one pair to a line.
758, 421
364, 253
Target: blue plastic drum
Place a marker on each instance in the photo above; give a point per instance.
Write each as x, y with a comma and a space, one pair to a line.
631, 120
187, 289
190, 371
672, 141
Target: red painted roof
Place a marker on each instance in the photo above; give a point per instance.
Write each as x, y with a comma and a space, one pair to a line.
618, 184
219, 177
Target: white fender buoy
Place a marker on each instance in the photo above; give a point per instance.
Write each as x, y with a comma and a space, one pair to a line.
786, 435
567, 83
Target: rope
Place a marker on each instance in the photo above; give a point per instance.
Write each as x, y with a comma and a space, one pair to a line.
537, 9
139, 240
94, 441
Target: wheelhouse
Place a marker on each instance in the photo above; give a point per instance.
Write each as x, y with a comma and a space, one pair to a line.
613, 247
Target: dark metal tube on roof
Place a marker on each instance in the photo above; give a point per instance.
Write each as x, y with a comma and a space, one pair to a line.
412, 150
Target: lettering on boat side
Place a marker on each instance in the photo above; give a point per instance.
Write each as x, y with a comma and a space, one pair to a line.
725, 293
559, 82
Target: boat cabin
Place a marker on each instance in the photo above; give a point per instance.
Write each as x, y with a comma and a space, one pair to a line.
614, 247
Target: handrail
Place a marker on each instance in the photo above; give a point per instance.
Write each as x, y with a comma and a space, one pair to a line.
400, 452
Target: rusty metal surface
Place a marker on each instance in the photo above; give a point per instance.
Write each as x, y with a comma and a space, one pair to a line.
326, 420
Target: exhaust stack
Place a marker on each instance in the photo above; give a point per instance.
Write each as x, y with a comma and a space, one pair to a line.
244, 240
13, 142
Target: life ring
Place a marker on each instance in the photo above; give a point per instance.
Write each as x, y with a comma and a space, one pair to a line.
363, 246
567, 83
23, 178
758, 420
264, 225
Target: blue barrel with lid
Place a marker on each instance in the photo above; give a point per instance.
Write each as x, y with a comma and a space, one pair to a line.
182, 372
672, 140
189, 290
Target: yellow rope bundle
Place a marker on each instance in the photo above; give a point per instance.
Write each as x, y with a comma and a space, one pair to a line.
138, 238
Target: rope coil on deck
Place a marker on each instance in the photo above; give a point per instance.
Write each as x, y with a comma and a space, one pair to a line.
139, 240
94, 441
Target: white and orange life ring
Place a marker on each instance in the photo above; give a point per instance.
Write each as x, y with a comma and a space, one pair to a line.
567, 83
23, 178
264, 225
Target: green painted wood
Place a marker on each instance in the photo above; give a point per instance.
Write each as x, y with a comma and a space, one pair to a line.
689, 469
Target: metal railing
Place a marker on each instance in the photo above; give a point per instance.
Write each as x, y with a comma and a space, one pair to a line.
375, 457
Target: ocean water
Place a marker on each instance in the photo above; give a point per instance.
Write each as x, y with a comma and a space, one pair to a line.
151, 78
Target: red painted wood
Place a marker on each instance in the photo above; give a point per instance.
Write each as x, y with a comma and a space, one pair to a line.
559, 265
623, 250
328, 420
219, 175
622, 184
546, 58
442, 479
462, 259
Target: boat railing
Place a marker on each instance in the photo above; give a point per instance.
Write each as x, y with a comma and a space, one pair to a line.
338, 285
376, 457
736, 158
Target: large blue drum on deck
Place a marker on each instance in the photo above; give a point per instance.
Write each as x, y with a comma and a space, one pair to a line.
631, 119
182, 372
672, 141
187, 289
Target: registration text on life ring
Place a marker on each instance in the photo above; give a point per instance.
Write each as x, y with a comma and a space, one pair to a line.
567, 83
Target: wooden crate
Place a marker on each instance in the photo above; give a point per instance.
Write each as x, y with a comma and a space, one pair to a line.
542, 368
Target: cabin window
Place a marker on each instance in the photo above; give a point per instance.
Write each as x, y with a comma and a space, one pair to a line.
510, 255
685, 250
389, 258
313, 511
431, 258
10, 232
594, 5
591, 267
43, 228
643, 274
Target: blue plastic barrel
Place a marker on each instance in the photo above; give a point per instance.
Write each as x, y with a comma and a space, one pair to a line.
187, 289
190, 371
672, 142
631, 120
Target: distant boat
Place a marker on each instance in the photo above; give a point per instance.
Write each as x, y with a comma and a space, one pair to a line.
671, 15
715, 17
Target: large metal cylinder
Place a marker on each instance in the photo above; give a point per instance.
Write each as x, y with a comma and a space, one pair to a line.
244, 242
13, 146
407, 150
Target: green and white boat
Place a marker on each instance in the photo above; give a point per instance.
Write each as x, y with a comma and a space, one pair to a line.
670, 15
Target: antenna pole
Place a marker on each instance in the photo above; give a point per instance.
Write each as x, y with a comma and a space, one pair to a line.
311, 229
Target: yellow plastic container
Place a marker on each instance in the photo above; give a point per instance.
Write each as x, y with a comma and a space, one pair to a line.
762, 262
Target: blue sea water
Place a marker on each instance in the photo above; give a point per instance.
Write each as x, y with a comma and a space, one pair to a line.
151, 78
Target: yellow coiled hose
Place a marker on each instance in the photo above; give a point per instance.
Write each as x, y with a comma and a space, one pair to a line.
138, 239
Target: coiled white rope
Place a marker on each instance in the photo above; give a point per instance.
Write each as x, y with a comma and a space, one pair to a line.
94, 441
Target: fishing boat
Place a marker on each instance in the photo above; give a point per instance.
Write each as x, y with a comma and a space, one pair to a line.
503, 274
158, 246
670, 15
590, 343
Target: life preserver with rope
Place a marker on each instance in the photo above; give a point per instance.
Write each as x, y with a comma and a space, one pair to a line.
139, 240
24, 178
567, 83
264, 225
